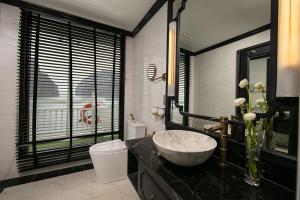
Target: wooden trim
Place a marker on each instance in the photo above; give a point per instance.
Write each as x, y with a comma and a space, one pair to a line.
187, 52
231, 40
151, 12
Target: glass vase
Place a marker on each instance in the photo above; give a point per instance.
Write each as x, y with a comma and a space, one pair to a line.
268, 140
252, 168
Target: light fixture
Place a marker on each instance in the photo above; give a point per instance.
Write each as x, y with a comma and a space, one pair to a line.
172, 59
288, 54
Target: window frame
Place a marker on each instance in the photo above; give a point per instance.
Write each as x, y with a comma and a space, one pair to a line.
23, 145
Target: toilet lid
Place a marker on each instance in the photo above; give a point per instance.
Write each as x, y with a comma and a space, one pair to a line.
110, 146
136, 124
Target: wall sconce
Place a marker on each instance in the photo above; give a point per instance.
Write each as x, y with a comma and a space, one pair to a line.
288, 53
172, 59
158, 112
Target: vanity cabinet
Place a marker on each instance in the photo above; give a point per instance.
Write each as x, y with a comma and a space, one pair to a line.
148, 189
154, 178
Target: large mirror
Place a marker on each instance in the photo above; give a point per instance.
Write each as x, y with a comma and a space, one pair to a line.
221, 43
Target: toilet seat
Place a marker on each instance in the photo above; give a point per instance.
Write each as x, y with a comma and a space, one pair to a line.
108, 147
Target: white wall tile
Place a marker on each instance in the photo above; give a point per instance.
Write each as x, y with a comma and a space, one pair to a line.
9, 14
8, 33
13, 172
9, 19
5, 166
7, 151
149, 47
9, 62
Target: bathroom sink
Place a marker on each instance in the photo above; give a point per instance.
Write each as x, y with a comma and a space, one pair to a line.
184, 148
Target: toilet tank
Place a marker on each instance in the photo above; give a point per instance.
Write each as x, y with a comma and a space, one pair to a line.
135, 130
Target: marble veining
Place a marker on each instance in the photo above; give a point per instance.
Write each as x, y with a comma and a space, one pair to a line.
204, 182
184, 148
185, 141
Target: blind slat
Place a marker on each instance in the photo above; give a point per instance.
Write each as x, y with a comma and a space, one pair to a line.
65, 67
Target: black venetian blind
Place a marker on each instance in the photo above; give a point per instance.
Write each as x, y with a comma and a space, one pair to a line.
183, 89
70, 94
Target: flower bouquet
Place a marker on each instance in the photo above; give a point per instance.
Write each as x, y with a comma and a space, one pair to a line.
252, 170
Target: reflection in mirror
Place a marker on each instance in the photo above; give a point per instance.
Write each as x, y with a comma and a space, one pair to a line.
286, 125
212, 33
258, 73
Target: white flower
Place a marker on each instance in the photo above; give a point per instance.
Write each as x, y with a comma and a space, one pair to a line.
243, 83
260, 101
260, 86
249, 117
239, 102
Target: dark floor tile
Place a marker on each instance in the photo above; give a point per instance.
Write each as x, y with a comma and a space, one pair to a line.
46, 175
70, 170
87, 166
2, 184
19, 181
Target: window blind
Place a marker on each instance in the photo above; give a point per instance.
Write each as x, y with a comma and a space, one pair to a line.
183, 89
70, 89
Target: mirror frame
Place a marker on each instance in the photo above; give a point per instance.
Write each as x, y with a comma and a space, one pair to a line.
273, 63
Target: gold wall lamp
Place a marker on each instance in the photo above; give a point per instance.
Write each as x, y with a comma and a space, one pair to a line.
288, 52
172, 58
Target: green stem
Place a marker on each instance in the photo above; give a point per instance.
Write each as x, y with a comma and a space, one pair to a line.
268, 125
251, 148
249, 109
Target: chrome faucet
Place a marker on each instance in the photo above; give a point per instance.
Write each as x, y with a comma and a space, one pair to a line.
223, 127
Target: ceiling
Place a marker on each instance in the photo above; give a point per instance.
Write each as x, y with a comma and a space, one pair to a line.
205, 23
125, 14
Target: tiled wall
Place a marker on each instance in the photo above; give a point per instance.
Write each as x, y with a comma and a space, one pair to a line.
215, 77
9, 19
148, 47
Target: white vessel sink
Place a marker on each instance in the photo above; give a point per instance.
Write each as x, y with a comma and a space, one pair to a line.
184, 148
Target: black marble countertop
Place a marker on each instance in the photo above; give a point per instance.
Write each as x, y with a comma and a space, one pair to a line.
207, 181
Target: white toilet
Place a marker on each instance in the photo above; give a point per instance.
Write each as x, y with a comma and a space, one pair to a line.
135, 129
110, 158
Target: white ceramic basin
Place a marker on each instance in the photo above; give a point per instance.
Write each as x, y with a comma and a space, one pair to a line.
184, 148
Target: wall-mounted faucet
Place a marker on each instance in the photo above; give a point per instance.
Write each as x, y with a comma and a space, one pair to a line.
223, 127
132, 117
